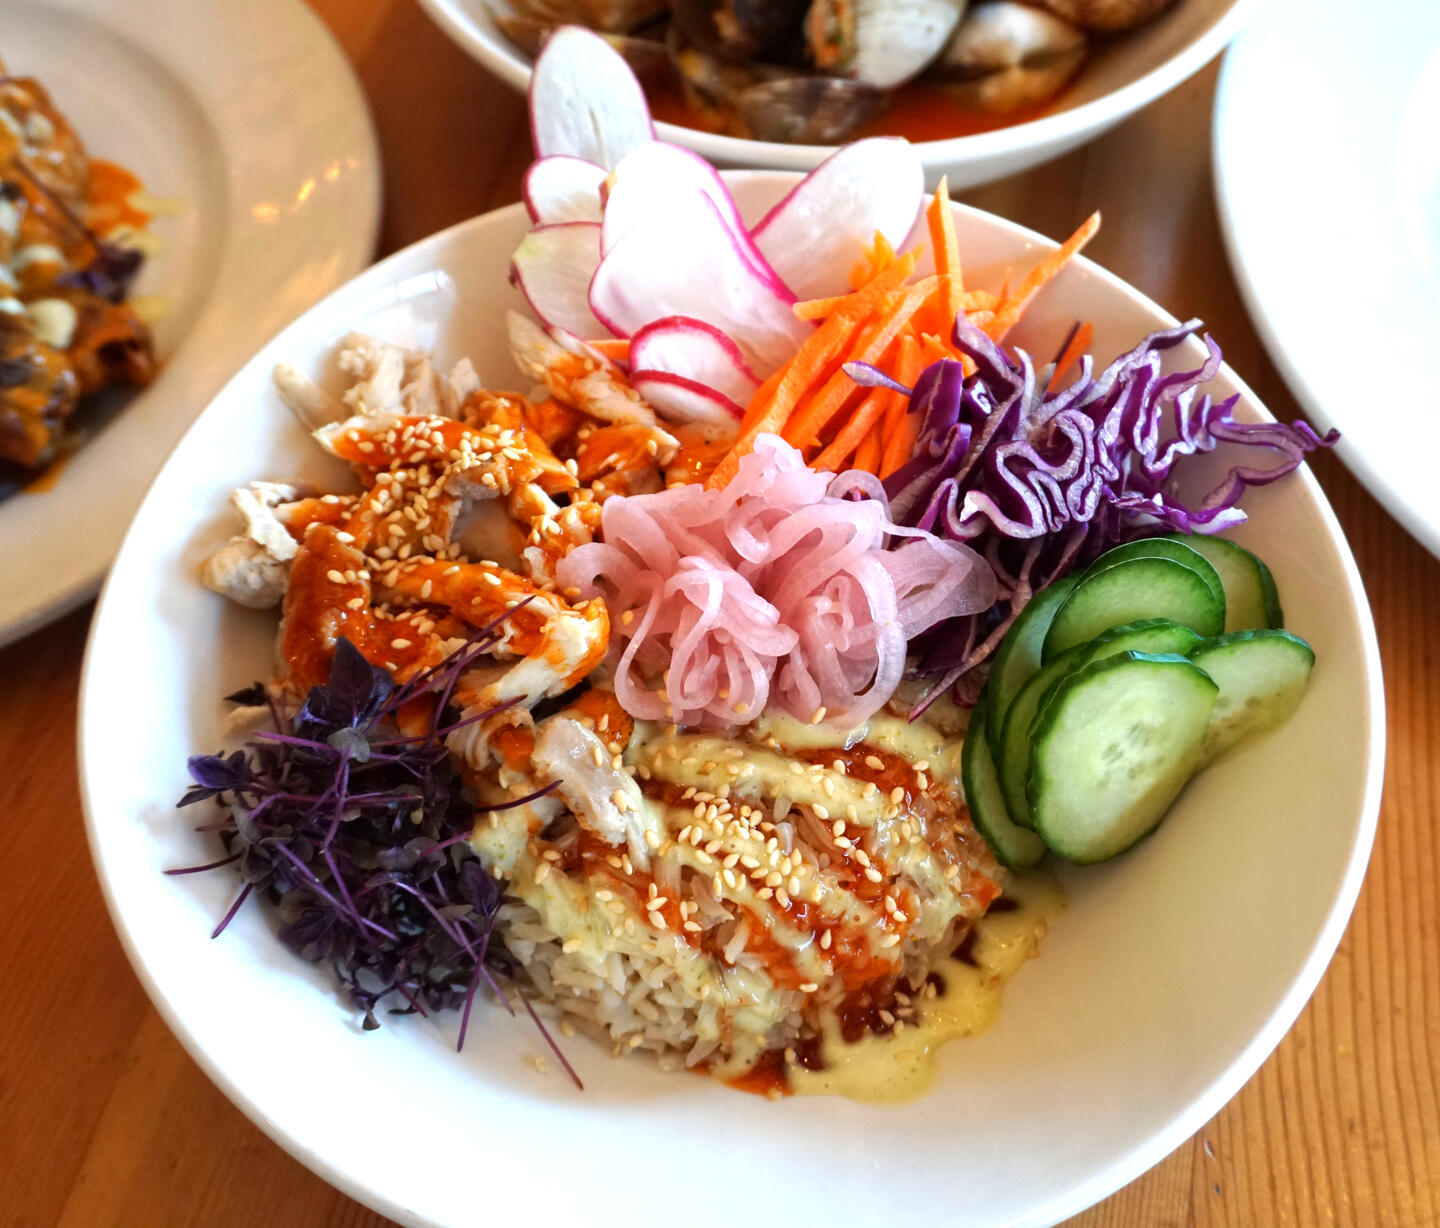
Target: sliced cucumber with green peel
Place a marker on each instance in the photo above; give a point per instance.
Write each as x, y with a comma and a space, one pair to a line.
1113, 748
1014, 759
1175, 548
1013, 846
1131, 590
1251, 598
1147, 635
1019, 655
1261, 676
1154, 635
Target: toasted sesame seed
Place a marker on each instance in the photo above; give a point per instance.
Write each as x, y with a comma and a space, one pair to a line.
874, 762
890, 940
820, 811
542, 871
335, 577
873, 874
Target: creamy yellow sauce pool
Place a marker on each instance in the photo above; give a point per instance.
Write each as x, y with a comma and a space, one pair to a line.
901, 1066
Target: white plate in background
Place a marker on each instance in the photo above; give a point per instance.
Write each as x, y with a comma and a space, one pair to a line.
247, 117
1172, 974
1327, 175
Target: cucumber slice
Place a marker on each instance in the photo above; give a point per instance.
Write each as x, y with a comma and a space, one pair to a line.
1113, 749
1013, 846
1251, 599
1261, 676
1019, 655
1014, 759
1175, 548
1130, 590
1147, 635
1154, 635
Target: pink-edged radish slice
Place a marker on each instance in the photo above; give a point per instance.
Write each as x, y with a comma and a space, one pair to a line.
696, 351
691, 264
562, 188
585, 101
815, 235
659, 180
553, 268
684, 400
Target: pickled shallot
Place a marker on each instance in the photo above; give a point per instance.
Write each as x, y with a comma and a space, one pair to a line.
774, 590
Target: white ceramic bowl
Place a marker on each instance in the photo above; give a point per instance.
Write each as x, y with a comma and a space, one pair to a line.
1173, 973
1133, 70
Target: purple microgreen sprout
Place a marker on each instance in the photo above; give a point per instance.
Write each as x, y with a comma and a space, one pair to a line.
360, 836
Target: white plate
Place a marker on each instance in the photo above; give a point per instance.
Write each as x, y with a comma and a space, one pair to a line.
248, 115
1327, 126
1174, 972
1132, 70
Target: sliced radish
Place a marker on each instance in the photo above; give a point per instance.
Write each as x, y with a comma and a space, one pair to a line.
660, 180
697, 351
585, 101
815, 235
684, 400
691, 264
562, 188
553, 268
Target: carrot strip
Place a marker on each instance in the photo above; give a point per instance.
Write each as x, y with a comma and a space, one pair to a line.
1079, 342
900, 447
878, 257
867, 455
761, 398
863, 422
616, 349
867, 298
1007, 315
941, 220
804, 428
933, 349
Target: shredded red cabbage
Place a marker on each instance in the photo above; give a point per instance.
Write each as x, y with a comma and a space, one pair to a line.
1040, 481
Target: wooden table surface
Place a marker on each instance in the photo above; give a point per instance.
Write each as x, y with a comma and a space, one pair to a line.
105, 1120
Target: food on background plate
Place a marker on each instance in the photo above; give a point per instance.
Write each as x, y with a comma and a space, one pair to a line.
648, 693
819, 71
68, 256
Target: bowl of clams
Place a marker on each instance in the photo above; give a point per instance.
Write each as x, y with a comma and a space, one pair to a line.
983, 88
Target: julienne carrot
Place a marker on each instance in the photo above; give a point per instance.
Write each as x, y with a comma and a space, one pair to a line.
804, 427
900, 446
863, 422
1080, 338
1010, 311
616, 349
899, 325
867, 297
867, 455
940, 219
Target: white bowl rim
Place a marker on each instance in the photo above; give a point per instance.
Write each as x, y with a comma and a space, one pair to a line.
1104, 1182
1069, 125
